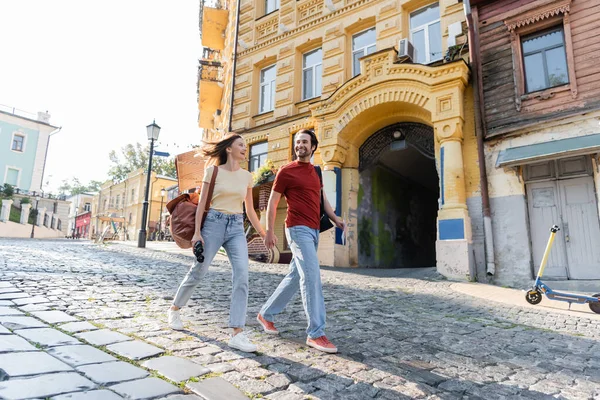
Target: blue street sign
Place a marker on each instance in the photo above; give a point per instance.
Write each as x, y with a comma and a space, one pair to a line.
161, 153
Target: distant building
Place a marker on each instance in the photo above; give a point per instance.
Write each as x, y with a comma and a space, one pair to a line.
119, 205
24, 140
80, 211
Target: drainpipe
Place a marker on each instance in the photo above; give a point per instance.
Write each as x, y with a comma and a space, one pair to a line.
480, 132
235, 46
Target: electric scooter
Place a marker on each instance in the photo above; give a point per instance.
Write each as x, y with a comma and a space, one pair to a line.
534, 295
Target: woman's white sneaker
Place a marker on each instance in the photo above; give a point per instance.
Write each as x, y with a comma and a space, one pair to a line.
241, 342
175, 320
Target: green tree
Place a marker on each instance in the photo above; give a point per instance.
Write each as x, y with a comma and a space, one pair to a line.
73, 186
133, 157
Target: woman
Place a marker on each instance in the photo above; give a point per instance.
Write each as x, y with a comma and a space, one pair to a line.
224, 226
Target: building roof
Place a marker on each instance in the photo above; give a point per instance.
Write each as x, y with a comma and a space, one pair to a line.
28, 119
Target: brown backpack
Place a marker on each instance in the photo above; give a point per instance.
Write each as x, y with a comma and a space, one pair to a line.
183, 214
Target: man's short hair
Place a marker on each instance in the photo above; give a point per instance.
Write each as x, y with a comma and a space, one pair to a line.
313, 138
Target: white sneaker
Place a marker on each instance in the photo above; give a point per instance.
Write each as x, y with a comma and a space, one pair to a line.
241, 342
175, 320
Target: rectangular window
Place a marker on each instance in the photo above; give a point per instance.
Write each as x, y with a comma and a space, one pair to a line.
362, 44
118, 201
267, 89
258, 155
426, 34
12, 176
312, 71
87, 207
133, 195
271, 5
544, 60
18, 141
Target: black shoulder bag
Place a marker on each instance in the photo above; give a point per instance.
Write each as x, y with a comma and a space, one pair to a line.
325, 223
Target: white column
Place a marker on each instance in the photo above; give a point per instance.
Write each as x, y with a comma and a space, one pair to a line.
41, 214
25, 209
5, 213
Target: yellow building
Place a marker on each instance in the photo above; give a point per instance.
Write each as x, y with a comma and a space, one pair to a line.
122, 204
396, 129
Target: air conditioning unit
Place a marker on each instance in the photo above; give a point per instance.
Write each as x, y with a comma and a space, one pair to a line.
406, 51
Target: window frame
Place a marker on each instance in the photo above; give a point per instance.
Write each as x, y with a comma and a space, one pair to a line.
558, 28
317, 90
538, 20
425, 28
272, 85
364, 48
23, 143
277, 5
251, 156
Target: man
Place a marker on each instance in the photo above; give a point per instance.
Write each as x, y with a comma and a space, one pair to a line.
301, 186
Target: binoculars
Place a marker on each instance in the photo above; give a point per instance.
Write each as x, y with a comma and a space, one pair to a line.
198, 251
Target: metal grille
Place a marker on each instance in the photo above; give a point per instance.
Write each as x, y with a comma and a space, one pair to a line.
418, 136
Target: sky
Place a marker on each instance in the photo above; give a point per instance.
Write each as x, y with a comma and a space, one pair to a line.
103, 70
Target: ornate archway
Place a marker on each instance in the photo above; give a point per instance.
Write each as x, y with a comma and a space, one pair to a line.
418, 136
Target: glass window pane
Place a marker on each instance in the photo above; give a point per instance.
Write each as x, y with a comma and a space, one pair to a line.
424, 16
556, 61
371, 49
363, 39
546, 40
312, 58
258, 148
318, 79
418, 40
12, 176
355, 63
267, 74
272, 99
271, 5
534, 67
435, 42
307, 83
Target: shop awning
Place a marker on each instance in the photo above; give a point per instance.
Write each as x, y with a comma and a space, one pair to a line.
561, 148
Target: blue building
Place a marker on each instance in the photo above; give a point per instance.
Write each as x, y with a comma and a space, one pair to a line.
24, 140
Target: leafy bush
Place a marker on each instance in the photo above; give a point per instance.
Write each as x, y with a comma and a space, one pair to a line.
25, 200
15, 214
262, 174
7, 191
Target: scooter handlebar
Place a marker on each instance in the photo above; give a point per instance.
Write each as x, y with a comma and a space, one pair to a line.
554, 229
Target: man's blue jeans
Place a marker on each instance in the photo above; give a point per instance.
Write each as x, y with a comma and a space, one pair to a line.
225, 230
305, 273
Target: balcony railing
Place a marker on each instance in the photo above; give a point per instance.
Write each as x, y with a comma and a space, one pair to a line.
209, 54
210, 71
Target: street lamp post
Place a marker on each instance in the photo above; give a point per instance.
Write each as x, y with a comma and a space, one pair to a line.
37, 200
160, 215
152, 130
75, 221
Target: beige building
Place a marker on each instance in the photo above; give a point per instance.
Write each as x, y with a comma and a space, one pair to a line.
396, 127
119, 205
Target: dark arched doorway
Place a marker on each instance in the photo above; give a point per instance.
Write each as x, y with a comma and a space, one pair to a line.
398, 198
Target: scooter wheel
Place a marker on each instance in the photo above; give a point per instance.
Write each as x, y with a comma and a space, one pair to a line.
595, 307
533, 297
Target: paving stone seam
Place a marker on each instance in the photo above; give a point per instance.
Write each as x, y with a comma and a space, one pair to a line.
152, 373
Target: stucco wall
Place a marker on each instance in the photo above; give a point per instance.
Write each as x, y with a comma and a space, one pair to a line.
508, 201
13, 229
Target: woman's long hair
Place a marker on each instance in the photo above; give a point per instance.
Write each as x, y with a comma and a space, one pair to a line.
216, 152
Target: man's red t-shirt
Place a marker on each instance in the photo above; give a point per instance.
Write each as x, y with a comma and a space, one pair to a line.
300, 185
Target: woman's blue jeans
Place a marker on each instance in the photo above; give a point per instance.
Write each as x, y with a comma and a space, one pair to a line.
226, 230
305, 273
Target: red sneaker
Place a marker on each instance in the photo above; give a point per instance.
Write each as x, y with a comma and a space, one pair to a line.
268, 326
322, 343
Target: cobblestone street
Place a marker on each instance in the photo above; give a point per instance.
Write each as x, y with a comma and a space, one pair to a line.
69, 308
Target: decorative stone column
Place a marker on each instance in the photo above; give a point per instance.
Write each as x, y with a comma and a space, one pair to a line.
454, 240
25, 209
5, 213
40, 217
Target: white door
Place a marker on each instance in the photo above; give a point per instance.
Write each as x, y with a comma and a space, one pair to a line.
544, 211
581, 230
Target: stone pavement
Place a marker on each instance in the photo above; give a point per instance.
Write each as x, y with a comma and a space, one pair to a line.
85, 321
